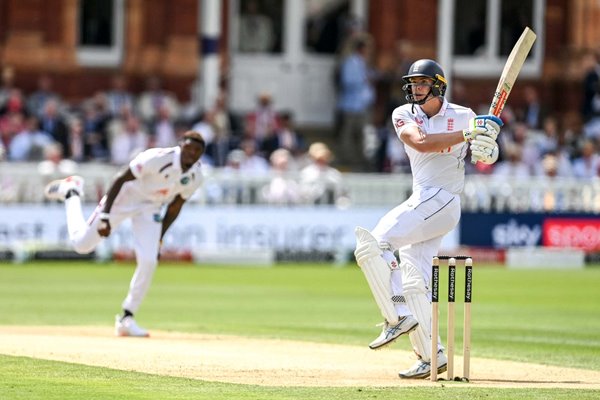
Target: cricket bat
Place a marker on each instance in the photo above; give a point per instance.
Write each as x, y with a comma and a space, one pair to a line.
511, 70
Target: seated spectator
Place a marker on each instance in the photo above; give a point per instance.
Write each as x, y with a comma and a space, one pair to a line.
571, 135
554, 198
283, 188
285, 137
155, 97
119, 96
55, 166
253, 163
524, 139
587, 165
43, 93
54, 124
95, 122
512, 167
321, 183
128, 141
231, 190
77, 146
163, 129
14, 104
10, 124
235, 158
223, 128
548, 137
29, 143
534, 112
263, 121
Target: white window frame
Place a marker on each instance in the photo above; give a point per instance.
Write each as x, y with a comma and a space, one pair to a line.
490, 63
100, 56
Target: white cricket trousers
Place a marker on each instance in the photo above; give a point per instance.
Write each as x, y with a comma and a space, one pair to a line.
146, 236
417, 226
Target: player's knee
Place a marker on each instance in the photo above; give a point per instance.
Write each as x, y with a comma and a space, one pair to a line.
412, 281
366, 245
82, 247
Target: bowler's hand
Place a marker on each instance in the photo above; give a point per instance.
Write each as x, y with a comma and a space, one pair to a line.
104, 225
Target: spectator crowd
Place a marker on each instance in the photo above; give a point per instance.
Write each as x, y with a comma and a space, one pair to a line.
114, 125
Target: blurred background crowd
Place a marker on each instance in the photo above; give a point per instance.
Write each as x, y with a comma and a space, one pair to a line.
62, 127
113, 125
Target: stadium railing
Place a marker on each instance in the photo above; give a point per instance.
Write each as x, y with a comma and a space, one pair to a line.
22, 183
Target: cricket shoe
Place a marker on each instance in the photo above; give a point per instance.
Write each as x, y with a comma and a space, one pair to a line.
127, 326
422, 369
389, 333
58, 189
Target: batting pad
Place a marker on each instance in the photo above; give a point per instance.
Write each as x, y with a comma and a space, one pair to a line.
418, 303
377, 273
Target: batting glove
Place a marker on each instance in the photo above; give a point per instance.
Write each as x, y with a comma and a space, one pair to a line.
484, 149
483, 125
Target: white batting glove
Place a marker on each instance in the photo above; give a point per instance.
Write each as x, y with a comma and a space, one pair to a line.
484, 149
472, 132
483, 125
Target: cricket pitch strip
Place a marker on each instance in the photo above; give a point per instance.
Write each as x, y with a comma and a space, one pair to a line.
266, 362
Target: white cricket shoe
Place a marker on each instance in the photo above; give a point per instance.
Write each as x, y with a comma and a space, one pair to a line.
422, 369
58, 189
128, 327
389, 333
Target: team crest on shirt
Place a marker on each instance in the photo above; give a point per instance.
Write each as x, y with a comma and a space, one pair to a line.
419, 121
399, 123
450, 127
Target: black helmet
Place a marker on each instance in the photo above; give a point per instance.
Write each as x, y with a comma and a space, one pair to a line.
428, 69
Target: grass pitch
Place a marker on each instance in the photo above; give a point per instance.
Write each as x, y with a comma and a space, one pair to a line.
539, 316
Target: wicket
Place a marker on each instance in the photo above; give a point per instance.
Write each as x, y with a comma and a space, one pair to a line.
435, 283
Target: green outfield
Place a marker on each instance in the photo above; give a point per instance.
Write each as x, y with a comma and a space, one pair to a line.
540, 316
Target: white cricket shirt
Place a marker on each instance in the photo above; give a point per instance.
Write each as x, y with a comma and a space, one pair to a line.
445, 169
159, 178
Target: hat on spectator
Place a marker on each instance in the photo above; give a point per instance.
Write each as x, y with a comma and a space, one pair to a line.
319, 151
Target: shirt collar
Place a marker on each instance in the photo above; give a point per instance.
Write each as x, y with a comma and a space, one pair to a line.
441, 113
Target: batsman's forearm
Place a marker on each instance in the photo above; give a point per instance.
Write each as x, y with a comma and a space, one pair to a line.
431, 143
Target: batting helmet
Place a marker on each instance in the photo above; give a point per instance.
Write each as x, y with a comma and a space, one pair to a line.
427, 69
